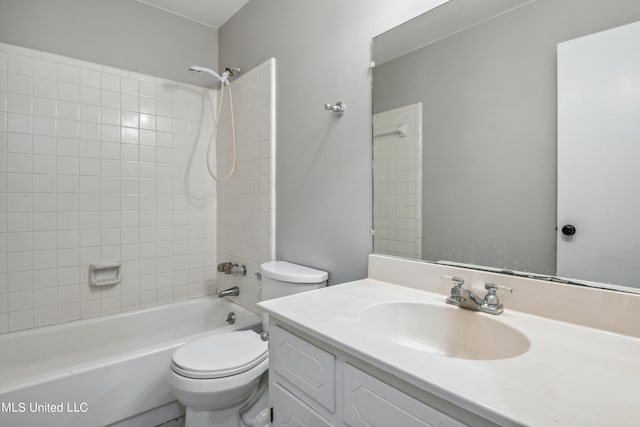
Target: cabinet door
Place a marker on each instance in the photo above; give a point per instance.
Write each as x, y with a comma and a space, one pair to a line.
304, 365
291, 412
369, 402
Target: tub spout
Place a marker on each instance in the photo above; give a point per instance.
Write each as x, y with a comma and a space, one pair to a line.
231, 292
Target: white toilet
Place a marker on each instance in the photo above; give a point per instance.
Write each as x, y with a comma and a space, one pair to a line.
221, 375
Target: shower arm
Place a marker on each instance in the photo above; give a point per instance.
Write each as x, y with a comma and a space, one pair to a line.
223, 79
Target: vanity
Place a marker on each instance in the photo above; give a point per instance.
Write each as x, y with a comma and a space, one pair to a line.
387, 350
504, 136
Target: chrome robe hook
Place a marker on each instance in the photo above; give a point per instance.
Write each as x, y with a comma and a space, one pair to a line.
338, 109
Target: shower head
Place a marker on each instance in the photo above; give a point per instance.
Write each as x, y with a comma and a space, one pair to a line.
222, 79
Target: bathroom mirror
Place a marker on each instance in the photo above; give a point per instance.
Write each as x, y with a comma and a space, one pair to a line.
465, 105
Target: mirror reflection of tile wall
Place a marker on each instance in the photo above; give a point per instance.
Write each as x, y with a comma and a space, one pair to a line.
397, 161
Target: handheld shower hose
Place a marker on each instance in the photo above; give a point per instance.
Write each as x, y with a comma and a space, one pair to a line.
224, 82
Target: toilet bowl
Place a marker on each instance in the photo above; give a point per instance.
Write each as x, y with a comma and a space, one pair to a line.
216, 375
221, 376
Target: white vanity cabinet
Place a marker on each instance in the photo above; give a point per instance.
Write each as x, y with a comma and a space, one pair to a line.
370, 402
301, 381
315, 385
292, 411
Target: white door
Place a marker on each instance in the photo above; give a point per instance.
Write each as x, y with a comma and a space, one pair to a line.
599, 157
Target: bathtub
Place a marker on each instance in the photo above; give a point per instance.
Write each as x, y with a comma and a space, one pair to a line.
107, 370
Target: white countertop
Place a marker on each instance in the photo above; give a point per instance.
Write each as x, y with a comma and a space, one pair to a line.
571, 375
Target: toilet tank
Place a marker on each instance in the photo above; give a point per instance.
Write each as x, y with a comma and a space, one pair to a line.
281, 278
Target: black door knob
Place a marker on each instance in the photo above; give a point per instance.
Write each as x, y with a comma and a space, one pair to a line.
568, 230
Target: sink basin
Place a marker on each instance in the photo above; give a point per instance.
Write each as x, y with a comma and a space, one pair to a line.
444, 330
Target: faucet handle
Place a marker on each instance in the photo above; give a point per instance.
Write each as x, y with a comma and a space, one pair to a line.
457, 281
491, 299
456, 291
493, 288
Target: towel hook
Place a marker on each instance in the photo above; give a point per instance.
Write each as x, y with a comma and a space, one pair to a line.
339, 108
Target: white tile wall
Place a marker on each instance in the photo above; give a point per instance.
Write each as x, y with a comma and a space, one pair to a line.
397, 184
100, 164
246, 207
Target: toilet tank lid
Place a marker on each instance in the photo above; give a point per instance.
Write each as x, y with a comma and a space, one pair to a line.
293, 273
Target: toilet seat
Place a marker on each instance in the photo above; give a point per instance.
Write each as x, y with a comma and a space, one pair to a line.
220, 355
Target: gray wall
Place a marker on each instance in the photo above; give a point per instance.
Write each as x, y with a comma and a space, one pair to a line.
489, 129
120, 33
323, 171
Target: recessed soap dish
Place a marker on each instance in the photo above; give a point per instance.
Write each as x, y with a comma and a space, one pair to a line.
104, 274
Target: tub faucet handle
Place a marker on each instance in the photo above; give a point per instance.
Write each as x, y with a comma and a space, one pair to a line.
225, 267
237, 270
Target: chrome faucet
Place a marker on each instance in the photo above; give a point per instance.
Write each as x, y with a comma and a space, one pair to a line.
231, 292
464, 298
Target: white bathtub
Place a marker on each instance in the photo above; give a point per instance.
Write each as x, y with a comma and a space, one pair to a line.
107, 370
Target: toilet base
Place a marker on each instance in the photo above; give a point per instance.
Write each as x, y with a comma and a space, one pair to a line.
257, 416
203, 418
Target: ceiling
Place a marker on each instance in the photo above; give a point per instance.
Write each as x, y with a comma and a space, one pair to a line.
212, 13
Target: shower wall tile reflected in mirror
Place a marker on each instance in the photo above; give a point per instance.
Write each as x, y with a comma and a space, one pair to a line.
397, 182
99, 164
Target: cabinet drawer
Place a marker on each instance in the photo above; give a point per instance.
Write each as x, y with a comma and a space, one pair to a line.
290, 411
370, 402
304, 365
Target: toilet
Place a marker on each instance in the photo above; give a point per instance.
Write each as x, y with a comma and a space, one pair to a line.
220, 378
